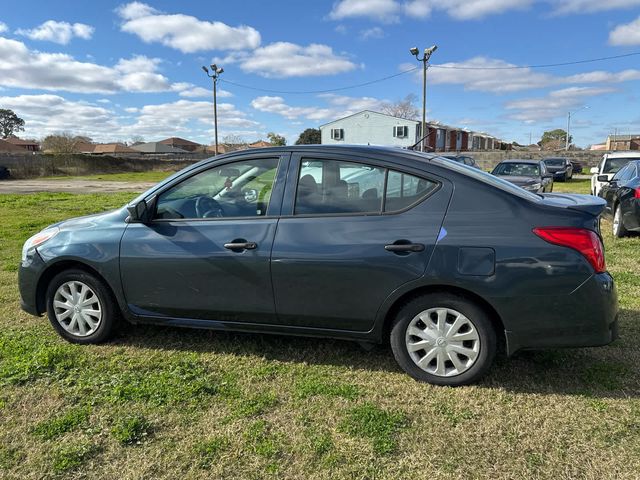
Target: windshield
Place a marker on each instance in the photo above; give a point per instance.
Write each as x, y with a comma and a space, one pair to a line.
512, 169
554, 162
486, 178
612, 165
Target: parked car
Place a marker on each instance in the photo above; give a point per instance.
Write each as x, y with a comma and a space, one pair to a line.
532, 175
4, 173
370, 244
561, 168
622, 194
462, 159
609, 166
577, 167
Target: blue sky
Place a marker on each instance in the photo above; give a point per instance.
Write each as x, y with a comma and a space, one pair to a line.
114, 70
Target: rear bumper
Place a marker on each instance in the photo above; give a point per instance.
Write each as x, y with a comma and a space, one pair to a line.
588, 317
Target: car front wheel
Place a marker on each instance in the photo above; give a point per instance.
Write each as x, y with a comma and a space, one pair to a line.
443, 339
81, 307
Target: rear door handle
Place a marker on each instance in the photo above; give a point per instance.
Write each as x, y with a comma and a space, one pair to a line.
241, 246
404, 247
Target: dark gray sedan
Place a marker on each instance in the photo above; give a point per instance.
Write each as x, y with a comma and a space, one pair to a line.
532, 175
375, 245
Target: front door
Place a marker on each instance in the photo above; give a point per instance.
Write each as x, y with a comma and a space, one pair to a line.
356, 232
206, 253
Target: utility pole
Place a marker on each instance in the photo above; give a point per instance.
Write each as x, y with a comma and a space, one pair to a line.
566, 144
215, 73
425, 64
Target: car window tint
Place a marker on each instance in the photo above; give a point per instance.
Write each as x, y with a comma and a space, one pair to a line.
239, 189
330, 186
403, 190
517, 169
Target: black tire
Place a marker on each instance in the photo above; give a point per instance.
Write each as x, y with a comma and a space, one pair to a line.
621, 231
109, 306
476, 315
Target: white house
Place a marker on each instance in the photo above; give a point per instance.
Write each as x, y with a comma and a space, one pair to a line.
371, 128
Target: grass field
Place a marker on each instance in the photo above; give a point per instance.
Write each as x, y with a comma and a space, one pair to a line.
164, 403
150, 176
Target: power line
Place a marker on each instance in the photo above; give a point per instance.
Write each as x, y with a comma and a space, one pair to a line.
443, 66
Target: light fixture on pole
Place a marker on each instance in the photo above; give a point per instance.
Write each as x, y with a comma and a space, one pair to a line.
425, 64
213, 75
566, 143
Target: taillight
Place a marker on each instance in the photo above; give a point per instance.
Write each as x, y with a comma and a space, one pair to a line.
585, 241
636, 193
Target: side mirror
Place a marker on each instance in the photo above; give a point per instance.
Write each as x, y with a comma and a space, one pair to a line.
603, 178
594, 170
141, 211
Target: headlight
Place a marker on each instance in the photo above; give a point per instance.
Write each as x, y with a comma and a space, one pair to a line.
533, 186
37, 240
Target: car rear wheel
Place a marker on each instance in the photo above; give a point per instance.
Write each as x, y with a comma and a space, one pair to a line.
618, 227
80, 307
443, 339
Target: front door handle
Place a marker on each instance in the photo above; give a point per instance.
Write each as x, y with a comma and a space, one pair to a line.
404, 247
237, 245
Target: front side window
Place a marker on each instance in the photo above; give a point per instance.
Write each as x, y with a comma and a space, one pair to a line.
335, 187
239, 189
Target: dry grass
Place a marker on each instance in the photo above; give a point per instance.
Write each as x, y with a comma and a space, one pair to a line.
166, 403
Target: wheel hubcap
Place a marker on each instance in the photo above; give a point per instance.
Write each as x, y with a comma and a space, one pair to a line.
442, 342
77, 308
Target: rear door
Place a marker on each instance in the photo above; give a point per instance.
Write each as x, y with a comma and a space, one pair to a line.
352, 231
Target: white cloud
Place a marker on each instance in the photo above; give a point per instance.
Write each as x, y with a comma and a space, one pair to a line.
200, 92
284, 59
374, 32
553, 105
626, 34
3, 27
58, 32
390, 10
338, 106
601, 76
382, 10
21, 67
590, 6
184, 32
46, 114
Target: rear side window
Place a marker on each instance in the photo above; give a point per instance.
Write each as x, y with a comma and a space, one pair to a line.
336, 187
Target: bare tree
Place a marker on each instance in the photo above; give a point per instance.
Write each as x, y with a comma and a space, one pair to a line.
233, 139
405, 108
136, 139
63, 143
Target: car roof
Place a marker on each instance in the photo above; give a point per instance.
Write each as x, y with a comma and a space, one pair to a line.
627, 154
515, 160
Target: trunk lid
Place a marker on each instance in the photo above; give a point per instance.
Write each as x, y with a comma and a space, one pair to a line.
573, 201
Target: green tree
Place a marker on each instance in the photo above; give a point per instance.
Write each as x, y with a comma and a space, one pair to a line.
311, 136
277, 140
554, 139
10, 123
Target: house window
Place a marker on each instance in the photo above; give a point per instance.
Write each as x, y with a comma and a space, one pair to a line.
337, 133
401, 131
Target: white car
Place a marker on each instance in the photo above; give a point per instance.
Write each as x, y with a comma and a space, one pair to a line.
609, 166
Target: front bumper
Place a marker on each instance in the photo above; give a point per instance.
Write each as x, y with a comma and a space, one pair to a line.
28, 276
560, 174
588, 317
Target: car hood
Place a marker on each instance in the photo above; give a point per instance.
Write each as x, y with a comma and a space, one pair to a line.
520, 181
555, 169
91, 221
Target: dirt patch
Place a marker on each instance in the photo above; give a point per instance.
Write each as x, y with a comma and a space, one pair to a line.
72, 186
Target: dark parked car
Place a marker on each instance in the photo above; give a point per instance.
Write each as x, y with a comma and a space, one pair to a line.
561, 168
462, 159
622, 194
532, 175
370, 244
4, 173
577, 167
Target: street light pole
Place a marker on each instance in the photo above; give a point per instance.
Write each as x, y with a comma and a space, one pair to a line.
425, 64
566, 143
215, 73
